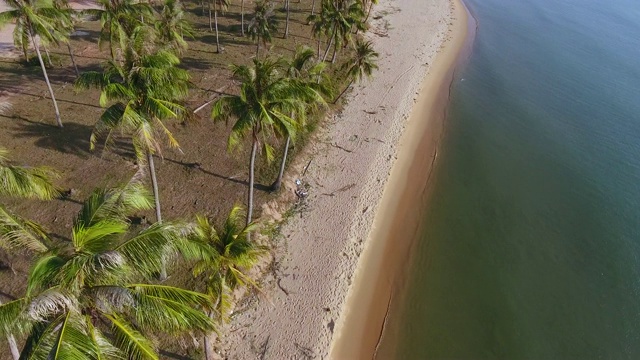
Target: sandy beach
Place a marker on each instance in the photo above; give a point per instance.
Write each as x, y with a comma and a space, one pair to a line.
371, 162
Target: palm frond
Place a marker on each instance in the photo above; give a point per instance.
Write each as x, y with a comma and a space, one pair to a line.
130, 341
19, 233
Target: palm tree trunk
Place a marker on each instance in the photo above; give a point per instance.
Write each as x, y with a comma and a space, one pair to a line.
202, 5
313, 7
208, 341
215, 17
242, 17
286, 26
335, 51
210, 22
278, 183
46, 51
257, 46
318, 48
13, 346
36, 45
156, 198
251, 178
154, 184
326, 52
73, 60
343, 91
368, 12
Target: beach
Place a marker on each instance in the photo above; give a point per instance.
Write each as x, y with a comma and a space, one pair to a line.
329, 289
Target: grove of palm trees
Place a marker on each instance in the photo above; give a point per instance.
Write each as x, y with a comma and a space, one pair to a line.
139, 142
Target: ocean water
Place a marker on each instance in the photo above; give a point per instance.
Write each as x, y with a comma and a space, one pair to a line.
531, 241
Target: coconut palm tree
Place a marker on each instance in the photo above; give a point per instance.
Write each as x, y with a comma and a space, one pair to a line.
91, 297
36, 21
223, 5
360, 65
143, 92
263, 24
337, 20
16, 232
307, 73
223, 259
260, 110
172, 26
118, 20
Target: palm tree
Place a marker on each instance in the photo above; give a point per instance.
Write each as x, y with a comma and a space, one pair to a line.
224, 5
260, 110
302, 69
91, 297
37, 20
263, 24
337, 20
16, 232
172, 26
222, 260
143, 92
118, 21
361, 65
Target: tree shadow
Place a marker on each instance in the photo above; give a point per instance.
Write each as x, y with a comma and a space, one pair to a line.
72, 139
170, 355
198, 166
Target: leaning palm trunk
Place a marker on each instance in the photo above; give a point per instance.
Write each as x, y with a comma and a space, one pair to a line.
13, 346
242, 17
286, 26
215, 16
343, 91
46, 51
313, 7
257, 47
36, 45
154, 184
278, 183
156, 198
252, 163
73, 59
208, 341
326, 52
335, 54
368, 12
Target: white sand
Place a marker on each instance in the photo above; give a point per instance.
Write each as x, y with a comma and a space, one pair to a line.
305, 297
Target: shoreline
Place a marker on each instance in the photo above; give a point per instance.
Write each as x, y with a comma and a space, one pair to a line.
306, 295
384, 259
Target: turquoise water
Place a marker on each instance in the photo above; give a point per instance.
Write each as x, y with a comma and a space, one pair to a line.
531, 247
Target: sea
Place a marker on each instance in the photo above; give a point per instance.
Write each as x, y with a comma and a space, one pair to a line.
530, 247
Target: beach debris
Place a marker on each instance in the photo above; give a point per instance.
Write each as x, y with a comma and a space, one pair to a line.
344, 188
307, 352
341, 148
301, 190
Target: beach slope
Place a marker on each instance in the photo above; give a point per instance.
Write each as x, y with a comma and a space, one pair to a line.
303, 297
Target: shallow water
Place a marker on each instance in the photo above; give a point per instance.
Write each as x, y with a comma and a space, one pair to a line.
531, 247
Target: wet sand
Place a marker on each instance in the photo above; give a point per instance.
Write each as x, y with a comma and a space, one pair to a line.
397, 223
